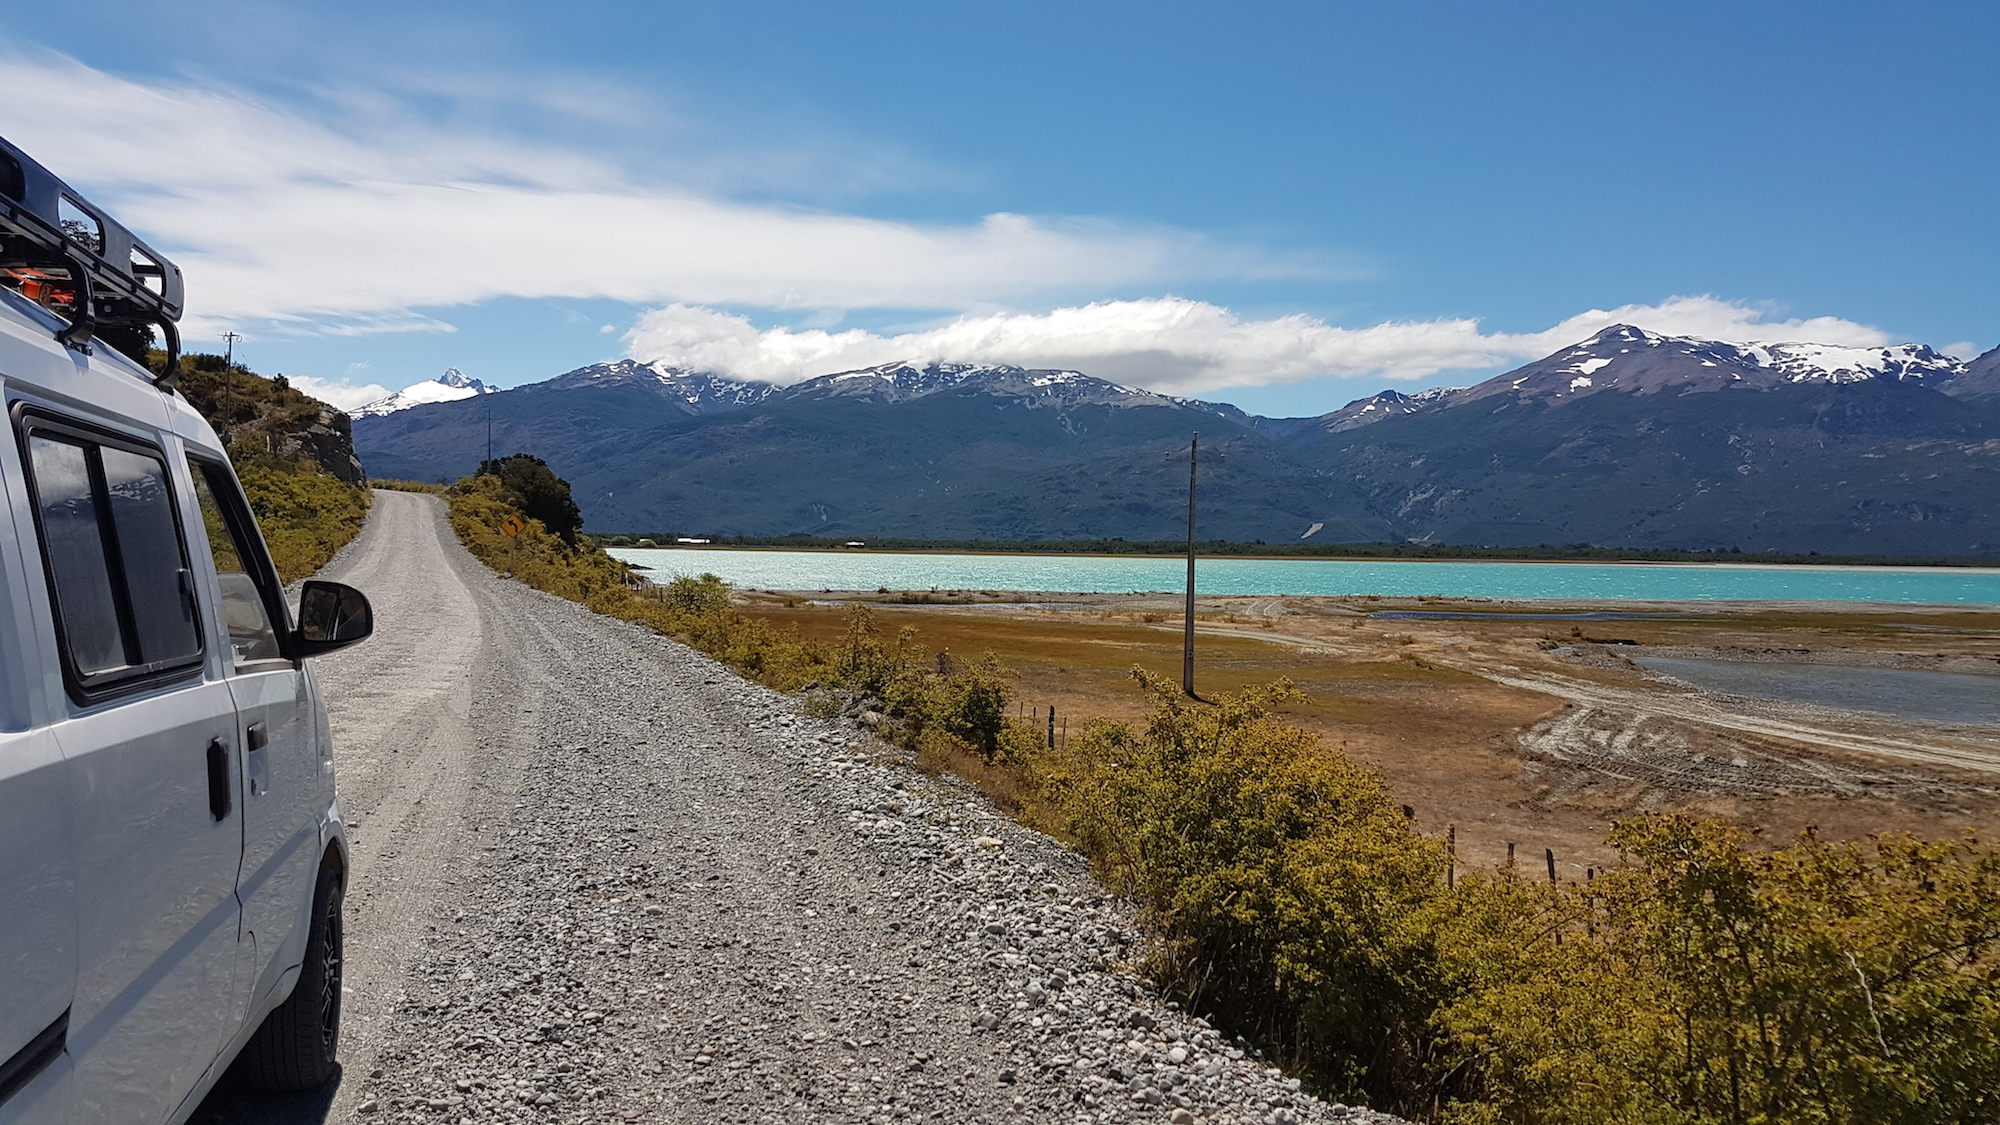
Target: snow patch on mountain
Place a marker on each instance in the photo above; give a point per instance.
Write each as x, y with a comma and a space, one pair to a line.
1803, 363
448, 387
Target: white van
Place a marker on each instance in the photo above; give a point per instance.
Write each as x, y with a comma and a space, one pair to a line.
172, 858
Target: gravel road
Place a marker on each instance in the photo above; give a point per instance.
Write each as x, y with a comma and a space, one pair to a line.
600, 878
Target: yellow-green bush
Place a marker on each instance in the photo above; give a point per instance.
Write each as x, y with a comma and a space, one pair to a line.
1706, 982
1295, 900
306, 515
1711, 983
582, 574
970, 704
394, 485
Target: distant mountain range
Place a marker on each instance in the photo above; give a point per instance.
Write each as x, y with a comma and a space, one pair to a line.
1628, 439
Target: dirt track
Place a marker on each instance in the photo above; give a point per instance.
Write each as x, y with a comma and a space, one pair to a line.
597, 877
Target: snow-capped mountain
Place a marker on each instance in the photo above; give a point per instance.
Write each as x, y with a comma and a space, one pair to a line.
698, 392
1627, 359
903, 382
694, 392
448, 387
1628, 438
1387, 404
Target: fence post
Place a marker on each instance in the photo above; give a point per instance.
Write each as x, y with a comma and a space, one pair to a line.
1451, 851
1551, 854
1510, 855
1052, 726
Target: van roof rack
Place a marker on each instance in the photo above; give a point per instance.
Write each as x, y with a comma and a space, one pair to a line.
65, 254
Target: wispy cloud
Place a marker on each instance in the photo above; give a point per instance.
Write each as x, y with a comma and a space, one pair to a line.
351, 220
1191, 347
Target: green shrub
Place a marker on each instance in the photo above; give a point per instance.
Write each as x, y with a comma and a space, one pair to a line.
704, 593
970, 704
1294, 899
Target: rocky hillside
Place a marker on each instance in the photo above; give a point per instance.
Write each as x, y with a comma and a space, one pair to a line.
1628, 439
253, 414
293, 453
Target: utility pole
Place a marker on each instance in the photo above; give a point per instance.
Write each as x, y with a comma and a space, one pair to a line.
228, 383
1187, 645
489, 428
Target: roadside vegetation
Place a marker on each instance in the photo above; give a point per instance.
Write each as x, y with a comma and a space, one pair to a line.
1708, 978
292, 453
406, 485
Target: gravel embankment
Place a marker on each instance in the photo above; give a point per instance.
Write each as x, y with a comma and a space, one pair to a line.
663, 895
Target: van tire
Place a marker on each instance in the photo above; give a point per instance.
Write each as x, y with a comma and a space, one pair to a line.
298, 1044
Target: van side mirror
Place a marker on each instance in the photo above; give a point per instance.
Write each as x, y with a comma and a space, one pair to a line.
331, 616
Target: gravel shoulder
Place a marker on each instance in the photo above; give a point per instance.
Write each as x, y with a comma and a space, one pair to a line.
600, 878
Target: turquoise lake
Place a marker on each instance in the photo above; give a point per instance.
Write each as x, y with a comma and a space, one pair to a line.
870, 570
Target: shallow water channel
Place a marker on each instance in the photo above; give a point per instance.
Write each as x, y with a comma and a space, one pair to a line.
1939, 697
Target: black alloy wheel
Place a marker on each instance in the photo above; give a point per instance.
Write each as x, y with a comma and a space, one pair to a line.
297, 1048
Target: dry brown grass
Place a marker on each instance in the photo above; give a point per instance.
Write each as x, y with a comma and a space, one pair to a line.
1404, 697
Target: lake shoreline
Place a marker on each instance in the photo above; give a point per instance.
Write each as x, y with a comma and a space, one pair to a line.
1015, 577
1774, 564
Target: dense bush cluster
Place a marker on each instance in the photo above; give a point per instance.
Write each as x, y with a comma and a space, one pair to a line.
1292, 892
1706, 982
306, 515
1712, 982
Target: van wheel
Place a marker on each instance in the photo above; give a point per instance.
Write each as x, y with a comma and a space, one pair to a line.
296, 1047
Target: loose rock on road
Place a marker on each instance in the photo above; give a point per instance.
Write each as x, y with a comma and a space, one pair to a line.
598, 877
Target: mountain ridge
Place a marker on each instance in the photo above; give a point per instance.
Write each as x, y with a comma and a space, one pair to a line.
1629, 438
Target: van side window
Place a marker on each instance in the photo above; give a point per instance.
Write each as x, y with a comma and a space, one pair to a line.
124, 602
75, 543
245, 611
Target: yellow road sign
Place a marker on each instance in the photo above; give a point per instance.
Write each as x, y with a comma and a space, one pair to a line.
513, 526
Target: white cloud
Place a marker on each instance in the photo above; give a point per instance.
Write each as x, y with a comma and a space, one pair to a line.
1189, 347
337, 394
348, 227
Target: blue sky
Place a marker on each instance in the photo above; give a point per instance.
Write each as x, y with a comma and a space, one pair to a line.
1284, 206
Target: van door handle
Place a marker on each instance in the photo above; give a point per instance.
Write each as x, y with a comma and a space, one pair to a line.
257, 737
218, 779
